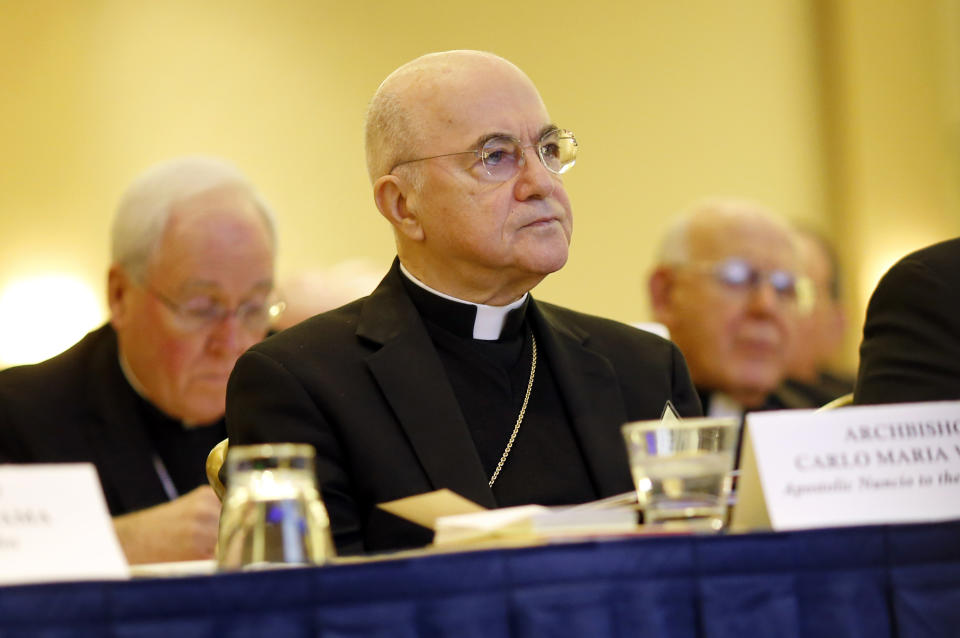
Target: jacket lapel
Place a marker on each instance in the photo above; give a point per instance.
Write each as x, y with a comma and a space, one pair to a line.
415, 384
591, 393
117, 437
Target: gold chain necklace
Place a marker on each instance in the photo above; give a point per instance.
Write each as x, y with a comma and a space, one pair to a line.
523, 409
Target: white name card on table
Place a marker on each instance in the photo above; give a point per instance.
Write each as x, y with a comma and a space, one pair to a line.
54, 526
896, 463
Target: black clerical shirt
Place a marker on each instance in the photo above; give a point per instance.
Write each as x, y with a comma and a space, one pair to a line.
182, 451
489, 379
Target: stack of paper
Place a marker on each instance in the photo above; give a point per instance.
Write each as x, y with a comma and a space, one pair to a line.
459, 521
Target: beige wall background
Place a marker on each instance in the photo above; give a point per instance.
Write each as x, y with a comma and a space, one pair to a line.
843, 114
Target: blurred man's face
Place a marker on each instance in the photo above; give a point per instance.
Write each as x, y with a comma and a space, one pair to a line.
725, 312
215, 255
480, 234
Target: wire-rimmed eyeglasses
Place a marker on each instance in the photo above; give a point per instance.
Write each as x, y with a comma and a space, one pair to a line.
502, 155
204, 312
739, 275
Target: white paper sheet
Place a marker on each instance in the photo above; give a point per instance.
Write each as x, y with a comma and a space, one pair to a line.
54, 526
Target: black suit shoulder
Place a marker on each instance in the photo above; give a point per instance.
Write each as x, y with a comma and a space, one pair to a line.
611, 335
324, 349
640, 358
320, 333
61, 371
911, 336
39, 402
77, 407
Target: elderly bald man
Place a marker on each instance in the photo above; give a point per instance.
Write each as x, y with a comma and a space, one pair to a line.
450, 375
728, 287
143, 396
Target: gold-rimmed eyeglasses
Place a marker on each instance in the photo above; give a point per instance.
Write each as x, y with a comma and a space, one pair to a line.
204, 312
502, 156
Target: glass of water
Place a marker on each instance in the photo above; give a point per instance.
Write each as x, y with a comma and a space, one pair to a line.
683, 470
272, 513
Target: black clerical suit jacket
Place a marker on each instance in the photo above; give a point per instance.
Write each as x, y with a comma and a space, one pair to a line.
911, 337
365, 386
78, 407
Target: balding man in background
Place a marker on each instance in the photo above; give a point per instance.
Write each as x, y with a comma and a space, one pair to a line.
142, 397
726, 287
450, 375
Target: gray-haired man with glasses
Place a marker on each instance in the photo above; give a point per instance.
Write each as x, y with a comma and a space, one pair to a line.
189, 288
450, 375
729, 288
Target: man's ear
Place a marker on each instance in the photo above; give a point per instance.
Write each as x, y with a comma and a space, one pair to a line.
119, 284
391, 195
661, 290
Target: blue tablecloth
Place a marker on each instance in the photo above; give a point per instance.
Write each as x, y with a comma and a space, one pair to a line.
870, 582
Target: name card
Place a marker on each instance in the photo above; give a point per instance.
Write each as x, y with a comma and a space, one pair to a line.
897, 463
54, 526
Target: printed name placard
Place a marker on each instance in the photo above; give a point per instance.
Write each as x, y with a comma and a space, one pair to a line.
54, 525
859, 465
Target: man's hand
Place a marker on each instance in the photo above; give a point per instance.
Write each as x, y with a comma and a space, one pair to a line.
183, 529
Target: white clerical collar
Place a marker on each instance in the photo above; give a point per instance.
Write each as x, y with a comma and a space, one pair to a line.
131, 377
140, 390
489, 321
722, 405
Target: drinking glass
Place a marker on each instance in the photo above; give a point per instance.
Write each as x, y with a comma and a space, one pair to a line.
272, 513
682, 470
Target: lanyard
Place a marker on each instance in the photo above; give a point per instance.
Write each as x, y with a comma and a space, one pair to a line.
168, 487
